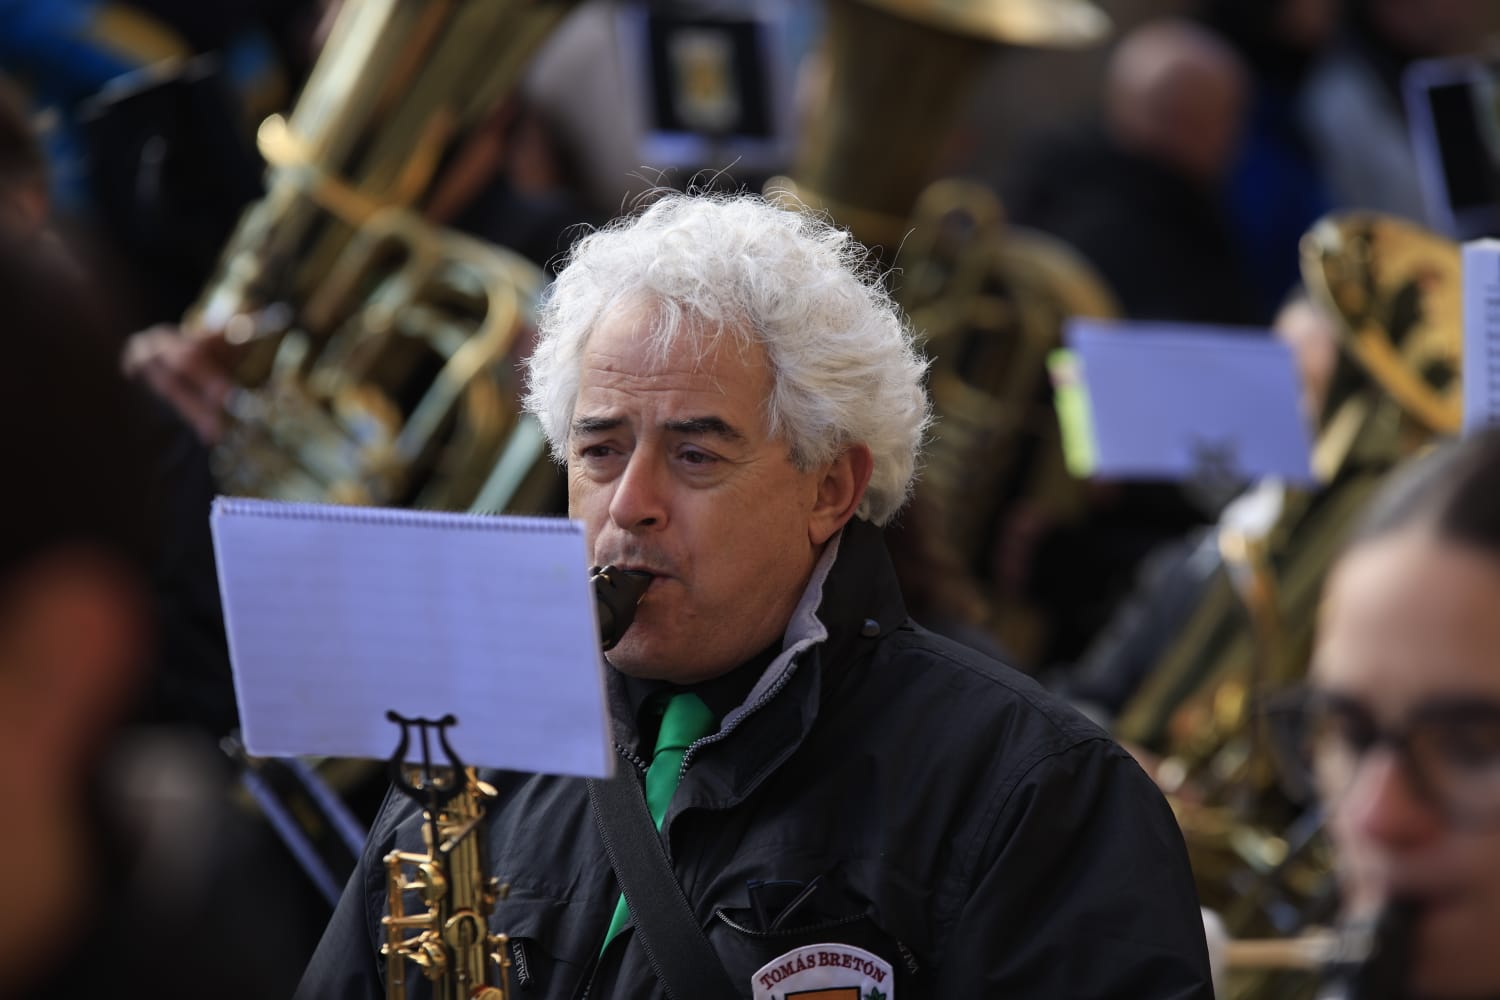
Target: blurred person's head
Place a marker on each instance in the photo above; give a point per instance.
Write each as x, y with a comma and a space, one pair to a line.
1403, 724
72, 612
1176, 93
1307, 24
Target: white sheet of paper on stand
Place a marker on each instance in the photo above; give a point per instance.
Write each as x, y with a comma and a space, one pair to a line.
1481, 334
336, 615
1180, 402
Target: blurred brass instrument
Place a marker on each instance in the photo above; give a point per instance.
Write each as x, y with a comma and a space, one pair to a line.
373, 343
1394, 292
847, 162
990, 299
446, 937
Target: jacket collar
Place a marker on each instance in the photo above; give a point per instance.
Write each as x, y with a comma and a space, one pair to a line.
851, 600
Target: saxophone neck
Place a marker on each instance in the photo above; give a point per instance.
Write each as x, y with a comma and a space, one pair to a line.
1373, 956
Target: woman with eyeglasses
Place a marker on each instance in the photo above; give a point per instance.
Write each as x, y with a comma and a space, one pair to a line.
1400, 728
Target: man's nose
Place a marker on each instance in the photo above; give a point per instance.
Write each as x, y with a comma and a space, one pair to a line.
1384, 804
640, 499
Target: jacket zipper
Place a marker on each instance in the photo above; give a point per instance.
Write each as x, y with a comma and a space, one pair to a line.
771, 692
642, 766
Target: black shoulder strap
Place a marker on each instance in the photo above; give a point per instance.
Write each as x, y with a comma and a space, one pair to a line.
681, 956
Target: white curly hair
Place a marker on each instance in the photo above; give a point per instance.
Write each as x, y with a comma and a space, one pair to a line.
843, 358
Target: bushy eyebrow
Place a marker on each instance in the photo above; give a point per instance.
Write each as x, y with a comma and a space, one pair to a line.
694, 426
595, 425
709, 426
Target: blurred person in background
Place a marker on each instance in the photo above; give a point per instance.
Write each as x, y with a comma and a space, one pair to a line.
1139, 193
129, 864
146, 112
73, 605
1352, 106
1275, 189
1399, 731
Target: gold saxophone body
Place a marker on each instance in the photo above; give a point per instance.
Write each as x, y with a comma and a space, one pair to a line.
373, 345
448, 937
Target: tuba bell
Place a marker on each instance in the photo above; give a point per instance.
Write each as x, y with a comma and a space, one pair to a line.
869, 149
372, 343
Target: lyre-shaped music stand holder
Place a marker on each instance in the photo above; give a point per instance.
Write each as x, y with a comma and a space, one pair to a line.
431, 789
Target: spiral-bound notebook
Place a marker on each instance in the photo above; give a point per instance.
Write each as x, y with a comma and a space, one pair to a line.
337, 615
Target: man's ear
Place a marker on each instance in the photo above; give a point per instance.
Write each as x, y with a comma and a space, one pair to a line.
840, 490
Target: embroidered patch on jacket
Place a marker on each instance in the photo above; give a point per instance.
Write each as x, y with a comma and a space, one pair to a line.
825, 972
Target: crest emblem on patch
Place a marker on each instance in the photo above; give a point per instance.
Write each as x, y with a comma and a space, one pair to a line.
825, 972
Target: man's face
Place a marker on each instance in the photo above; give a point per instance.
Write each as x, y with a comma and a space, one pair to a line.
671, 471
1409, 620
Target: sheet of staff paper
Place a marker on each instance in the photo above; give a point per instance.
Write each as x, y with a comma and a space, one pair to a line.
1481, 334
1186, 402
337, 614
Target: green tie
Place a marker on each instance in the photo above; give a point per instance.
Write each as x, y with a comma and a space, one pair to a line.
686, 719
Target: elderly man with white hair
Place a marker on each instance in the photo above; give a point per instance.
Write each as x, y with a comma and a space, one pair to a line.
853, 807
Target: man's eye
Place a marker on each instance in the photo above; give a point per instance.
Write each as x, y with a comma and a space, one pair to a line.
691, 456
595, 451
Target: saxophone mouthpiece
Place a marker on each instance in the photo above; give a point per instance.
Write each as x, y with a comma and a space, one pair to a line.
618, 592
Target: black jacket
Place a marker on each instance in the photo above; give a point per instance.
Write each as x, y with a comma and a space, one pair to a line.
1160, 240
977, 834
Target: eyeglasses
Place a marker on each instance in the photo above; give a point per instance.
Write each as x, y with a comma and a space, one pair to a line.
1450, 748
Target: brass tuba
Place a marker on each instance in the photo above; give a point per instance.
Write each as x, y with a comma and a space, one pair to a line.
989, 299
992, 300
373, 343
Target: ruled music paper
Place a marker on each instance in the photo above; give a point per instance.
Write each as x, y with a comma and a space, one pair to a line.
337, 614
1481, 261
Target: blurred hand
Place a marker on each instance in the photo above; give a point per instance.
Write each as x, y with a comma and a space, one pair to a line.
190, 370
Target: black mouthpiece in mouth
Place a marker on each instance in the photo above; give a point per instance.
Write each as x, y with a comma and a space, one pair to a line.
618, 592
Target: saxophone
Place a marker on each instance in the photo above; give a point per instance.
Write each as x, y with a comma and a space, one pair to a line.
447, 937
1374, 957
